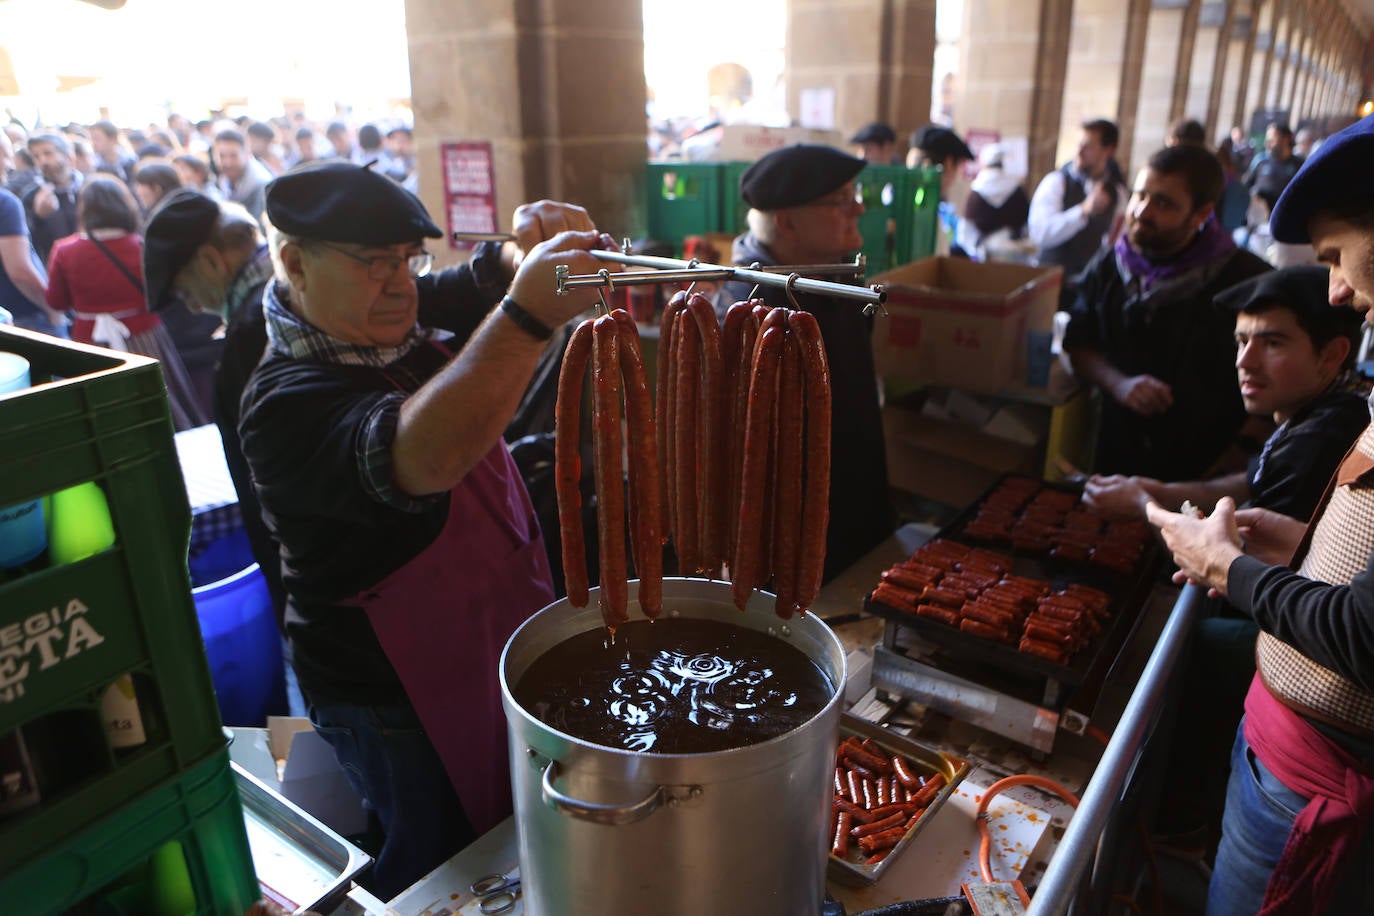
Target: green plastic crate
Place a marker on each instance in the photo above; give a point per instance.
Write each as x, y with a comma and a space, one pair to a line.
109, 861
683, 198
923, 226
883, 191
733, 209
67, 632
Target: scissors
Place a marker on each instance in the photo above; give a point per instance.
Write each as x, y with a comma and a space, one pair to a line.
497, 892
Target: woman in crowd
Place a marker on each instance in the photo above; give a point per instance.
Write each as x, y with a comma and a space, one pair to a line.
97, 275
152, 182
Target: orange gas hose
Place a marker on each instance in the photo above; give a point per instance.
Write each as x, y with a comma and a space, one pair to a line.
1024, 779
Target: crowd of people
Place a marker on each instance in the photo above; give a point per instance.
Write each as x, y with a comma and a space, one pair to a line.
75, 202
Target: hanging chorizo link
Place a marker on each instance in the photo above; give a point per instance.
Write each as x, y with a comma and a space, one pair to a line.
816, 498
610, 477
732, 345
568, 462
753, 483
787, 507
686, 535
710, 437
666, 412
641, 441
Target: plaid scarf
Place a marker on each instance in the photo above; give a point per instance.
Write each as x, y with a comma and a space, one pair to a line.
293, 336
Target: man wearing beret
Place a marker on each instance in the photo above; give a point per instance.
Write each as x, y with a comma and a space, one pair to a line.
1295, 837
409, 548
876, 143
934, 145
803, 211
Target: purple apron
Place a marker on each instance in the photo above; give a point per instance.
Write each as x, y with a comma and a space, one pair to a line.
444, 617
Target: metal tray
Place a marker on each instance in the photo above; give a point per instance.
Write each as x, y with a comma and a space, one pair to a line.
853, 871
301, 864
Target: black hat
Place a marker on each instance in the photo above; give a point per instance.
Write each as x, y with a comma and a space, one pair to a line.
1336, 174
795, 175
1302, 290
876, 132
939, 143
180, 223
336, 201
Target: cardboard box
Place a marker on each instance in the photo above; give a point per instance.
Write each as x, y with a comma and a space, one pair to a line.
949, 461
956, 322
311, 776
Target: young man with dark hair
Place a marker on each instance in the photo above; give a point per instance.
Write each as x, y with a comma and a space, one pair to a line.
1144, 328
1271, 171
1295, 834
111, 157
242, 178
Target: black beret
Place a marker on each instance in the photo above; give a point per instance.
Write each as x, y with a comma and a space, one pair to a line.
179, 224
876, 132
336, 201
796, 175
1337, 174
1302, 290
939, 143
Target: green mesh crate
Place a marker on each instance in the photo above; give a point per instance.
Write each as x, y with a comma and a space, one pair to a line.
177, 849
923, 226
883, 191
733, 209
68, 632
682, 199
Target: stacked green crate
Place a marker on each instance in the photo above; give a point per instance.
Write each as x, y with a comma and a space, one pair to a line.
682, 199
68, 632
882, 189
733, 209
924, 216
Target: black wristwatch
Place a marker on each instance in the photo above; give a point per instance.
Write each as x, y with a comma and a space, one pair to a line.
525, 321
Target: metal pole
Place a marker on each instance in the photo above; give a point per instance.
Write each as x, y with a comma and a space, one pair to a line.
1079, 845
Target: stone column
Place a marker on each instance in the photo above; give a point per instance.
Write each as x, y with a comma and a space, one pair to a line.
1235, 81
1162, 77
1283, 34
1225, 46
556, 87
1262, 62
1096, 69
1207, 62
877, 56
1187, 42
1132, 75
1012, 61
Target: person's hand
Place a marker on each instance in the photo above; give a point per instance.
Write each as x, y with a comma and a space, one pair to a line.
1144, 394
1116, 496
535, 286
542, 220
45, 201
1269, 536
1099, 201
1203, 548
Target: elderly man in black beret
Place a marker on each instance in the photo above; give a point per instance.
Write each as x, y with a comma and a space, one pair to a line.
409, 548
803, 211
1295, 833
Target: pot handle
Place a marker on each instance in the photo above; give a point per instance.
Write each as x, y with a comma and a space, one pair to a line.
596, 813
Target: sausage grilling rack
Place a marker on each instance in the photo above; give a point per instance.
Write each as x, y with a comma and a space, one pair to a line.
672, 270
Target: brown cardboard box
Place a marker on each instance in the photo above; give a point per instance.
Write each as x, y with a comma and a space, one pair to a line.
956, 322
950, 461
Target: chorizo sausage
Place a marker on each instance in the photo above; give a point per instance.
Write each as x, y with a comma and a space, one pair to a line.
754, 483
816, 495
984, 630
902, 771
567, 450
895, 595
732, 343
867, 760
858, 813
839, 845
878, 826
790, 470
710, 437
687, 394
641, 441
666, 408
885, 840
610, 475
935, 612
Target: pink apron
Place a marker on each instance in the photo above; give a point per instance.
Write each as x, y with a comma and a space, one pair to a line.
444, 618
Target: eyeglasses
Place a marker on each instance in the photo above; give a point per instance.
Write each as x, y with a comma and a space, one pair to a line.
384, 266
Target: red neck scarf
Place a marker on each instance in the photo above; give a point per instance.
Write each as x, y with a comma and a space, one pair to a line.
1328, 831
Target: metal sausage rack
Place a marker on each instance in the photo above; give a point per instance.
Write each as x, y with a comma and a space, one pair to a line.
672, 270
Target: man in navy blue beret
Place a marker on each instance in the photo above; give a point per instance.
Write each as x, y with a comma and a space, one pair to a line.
1295, 834
803, 210
409, 548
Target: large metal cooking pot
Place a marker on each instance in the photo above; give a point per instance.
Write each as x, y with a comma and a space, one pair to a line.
609, 832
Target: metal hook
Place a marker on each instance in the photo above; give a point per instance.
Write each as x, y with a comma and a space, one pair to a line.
626, 246
788, 288
878, 306
755, 291
608, 283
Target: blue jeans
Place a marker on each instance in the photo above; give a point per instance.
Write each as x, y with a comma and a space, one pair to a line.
394, 767
1260, 812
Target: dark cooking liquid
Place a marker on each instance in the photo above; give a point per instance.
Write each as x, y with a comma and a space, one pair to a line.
674, 686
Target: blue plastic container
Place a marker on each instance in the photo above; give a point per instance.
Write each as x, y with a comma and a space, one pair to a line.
243, 646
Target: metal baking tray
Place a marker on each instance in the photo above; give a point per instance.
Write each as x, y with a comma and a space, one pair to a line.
853, 871
301, 864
